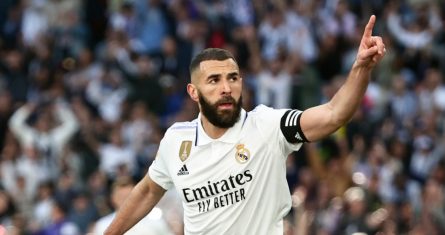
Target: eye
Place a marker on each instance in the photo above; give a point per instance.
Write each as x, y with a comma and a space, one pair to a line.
233, 78
213, 80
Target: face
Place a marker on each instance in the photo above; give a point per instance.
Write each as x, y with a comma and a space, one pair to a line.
223, 118
216, 86
43, 123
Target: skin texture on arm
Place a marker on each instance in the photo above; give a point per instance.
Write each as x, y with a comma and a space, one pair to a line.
145, 195
320, 121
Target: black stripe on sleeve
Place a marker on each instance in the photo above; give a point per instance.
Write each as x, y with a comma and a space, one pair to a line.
290, 127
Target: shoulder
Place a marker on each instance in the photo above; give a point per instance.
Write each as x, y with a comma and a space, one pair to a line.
181, 129
178, 126
265, 119
263, 112
261, 108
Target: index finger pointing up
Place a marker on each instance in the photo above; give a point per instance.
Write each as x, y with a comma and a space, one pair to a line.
369, 27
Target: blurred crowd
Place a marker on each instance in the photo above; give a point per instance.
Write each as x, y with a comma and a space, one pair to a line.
87, 89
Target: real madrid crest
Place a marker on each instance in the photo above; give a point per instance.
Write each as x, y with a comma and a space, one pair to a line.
184, 150
242, 154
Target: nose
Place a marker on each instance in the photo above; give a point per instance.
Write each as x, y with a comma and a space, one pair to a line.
226, 89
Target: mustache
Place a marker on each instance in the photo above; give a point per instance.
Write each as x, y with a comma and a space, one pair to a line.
225, 100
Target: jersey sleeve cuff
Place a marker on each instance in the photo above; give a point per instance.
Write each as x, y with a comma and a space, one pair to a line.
157, 177
290, 127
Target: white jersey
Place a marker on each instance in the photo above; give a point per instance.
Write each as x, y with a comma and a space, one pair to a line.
235, 184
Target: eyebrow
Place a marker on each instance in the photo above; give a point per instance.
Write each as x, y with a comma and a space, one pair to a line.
216, 75
213, 76
233, 74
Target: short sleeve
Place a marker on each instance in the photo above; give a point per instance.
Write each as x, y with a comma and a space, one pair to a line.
158, 170
268, 121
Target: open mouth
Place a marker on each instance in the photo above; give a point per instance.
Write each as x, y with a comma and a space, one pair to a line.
226, 105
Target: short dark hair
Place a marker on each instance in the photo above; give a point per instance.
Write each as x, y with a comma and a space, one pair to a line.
210, 54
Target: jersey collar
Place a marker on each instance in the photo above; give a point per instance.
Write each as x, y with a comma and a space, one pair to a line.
231, 136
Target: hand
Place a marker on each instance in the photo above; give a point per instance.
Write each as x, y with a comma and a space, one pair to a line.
371, 49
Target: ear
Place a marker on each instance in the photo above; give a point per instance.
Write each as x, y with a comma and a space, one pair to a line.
193, 92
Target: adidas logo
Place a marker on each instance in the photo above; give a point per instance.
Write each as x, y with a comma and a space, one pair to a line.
298, 137
183, 170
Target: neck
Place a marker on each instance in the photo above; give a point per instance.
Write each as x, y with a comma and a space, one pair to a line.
211, 130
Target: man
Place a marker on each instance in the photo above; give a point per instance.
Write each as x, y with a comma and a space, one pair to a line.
229, 165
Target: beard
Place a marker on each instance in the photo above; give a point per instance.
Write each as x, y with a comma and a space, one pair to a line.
221, 118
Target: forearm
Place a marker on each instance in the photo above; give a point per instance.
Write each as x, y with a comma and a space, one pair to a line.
68, 127
17, 121
138, 204
19, 128
66, 116
348, 98
320, 121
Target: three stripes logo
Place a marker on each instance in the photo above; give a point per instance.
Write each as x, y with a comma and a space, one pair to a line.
290, 126
183, 170
292, 117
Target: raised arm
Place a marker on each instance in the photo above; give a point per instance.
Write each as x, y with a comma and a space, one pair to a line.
145, 195
320, 121
18, 126
68, 125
